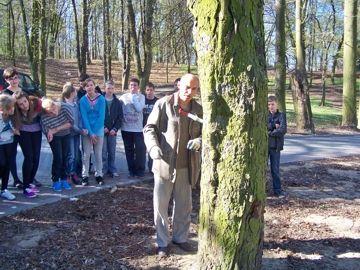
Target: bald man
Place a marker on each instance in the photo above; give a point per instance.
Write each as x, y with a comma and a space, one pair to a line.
174, 142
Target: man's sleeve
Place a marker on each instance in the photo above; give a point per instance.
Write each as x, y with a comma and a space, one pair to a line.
151, 129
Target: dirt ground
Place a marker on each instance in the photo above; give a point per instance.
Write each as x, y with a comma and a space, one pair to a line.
315, 226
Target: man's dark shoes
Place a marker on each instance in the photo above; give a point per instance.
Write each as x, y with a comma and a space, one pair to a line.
162, 252
99, 180
85, 181
18, 184
280, 194
37, 183
75, 179
185, 246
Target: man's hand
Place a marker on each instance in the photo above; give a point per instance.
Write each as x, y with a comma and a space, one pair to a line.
155, 152
94, 139
16, 132
194, 145
277, 125
106, 130
112, 133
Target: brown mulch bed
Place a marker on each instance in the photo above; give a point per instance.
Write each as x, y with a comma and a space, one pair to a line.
113, 229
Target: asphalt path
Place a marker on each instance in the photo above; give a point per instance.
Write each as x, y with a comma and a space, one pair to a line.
297, 148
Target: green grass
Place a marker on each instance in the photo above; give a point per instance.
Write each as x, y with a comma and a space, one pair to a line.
322, 116
184, 69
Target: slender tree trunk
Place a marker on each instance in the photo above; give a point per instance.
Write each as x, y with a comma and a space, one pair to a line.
34, 37
233, 91
85, 37
125, 47
301, 96
43, 45
77, 33
28, 42
280, 53
349, 68
335, 59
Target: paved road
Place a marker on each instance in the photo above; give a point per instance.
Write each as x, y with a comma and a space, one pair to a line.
297, 148
302, 148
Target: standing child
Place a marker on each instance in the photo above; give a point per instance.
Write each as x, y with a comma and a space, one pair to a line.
277, 127
11, 76
56, 122
92, 109
150, 100
131, 129
6, 139
113, 118
68, 96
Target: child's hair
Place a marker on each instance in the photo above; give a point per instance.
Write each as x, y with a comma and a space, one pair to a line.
109, 82
150, 85
135, 80
47, 103
34, 107
271, 98
9, 72
6, 103
89, 80
68, 89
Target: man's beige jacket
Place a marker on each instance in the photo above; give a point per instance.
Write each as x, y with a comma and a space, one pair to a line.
162, 129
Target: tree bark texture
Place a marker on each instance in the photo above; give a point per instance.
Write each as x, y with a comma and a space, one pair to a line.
229, 38
43, 45
280, 54
77, 33
85, 36
349, 68
300, 86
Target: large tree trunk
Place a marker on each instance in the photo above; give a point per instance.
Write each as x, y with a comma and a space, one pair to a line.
280, 53
300, 87
34, 38
85, 37
77, 34
125, 46
233, 91
349, 69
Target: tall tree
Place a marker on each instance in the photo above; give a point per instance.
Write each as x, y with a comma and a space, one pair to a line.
146, 37
233, 91
84, 51
349, 66
280, 54
299, 83
43, 44
77, 35
107, 40
125, 48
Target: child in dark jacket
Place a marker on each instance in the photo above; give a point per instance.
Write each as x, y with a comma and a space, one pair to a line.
113, 118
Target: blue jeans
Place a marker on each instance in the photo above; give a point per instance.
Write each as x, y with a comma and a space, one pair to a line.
30, 143
275, 169
108, 154
75, 155
135, 151
60, 147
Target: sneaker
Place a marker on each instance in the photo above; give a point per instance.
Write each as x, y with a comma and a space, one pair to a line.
33, 188
36, 183
131, 175
99, 180
28, 193
57, 186
65, 184
140, 175
18, 184
85, 181
7, 195
115, 174
162, 252
75, 179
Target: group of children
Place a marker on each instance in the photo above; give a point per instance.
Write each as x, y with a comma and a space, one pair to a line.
81, 129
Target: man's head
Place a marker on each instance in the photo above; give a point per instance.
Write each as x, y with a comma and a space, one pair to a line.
272, 104
50, 107
11, 76
134, 85
150, 90
82, 80
189, 85
109, 87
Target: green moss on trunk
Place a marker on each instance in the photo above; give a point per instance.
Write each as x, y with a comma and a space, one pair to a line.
229, 40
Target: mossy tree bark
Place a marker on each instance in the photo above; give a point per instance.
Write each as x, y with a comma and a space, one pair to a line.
229, 39
280, 54
349, 67
299, 82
